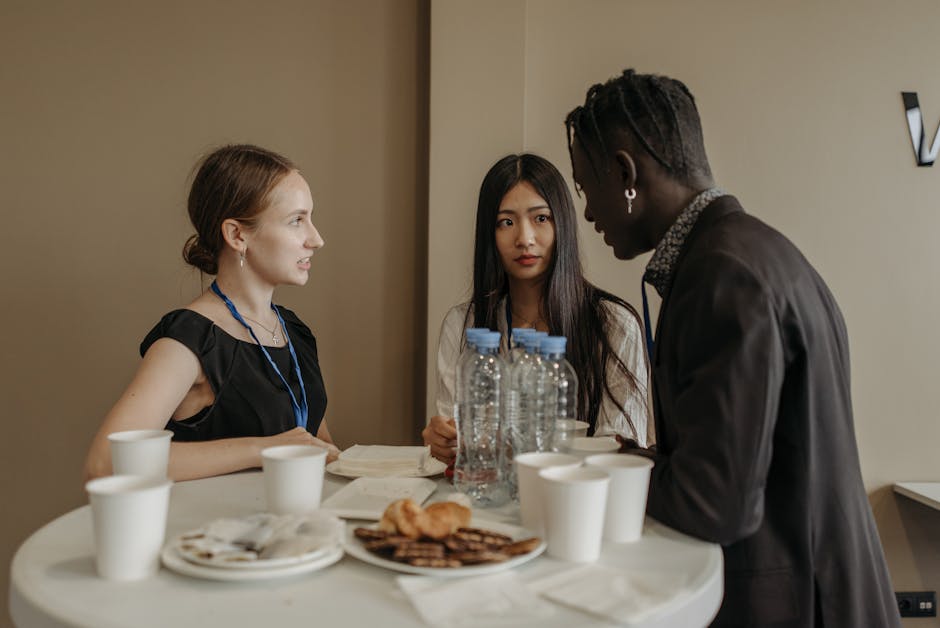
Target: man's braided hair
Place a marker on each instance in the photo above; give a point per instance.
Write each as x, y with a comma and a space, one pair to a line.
657, 111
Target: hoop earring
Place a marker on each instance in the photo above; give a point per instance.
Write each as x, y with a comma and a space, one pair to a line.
630, 194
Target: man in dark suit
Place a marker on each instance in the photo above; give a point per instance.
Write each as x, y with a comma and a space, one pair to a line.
755, 439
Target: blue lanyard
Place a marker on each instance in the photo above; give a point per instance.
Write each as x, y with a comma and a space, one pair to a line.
646, 322
300, 409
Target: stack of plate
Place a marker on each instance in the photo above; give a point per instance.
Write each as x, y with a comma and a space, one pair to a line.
386, 461
257, 547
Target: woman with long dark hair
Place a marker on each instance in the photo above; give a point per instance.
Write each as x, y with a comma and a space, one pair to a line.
527, 273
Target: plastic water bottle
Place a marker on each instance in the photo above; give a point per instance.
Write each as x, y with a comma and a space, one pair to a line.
518, 437
469, 350
478, 470
533, 341
535, 433
517, 346
561, 382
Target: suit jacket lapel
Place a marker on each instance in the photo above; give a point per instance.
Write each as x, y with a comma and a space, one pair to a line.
717, 209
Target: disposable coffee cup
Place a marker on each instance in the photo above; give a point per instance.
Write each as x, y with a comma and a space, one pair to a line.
528, 466
293, 478
129, 520
574, 501
140, 452
626, 497
566, 430
584, 446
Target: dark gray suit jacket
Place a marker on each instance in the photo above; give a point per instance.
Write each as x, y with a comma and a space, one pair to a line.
755, 439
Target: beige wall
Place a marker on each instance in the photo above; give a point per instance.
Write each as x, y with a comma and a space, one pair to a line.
104, 109
804, 123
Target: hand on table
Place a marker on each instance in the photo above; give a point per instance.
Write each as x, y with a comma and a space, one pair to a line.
441, 435
300, 436
630, 446
332, 451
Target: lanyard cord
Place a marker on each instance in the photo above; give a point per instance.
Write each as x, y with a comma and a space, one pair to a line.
300, 409
646, 322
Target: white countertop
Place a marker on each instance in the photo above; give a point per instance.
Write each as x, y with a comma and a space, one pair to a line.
54, 584
927, 493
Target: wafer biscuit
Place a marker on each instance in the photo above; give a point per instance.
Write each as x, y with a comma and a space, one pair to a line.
475, 558
521, 547
435, 562
388, 544
482, 536
370, 534
418, 550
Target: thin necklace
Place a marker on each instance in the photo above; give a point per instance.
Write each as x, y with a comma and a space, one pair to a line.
533, 323
274, 337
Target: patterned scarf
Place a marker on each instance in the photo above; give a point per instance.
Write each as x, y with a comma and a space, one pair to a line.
662, 264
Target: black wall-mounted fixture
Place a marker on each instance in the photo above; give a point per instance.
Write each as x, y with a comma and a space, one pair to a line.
915, 123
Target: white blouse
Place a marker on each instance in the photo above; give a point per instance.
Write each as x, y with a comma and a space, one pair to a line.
626, 339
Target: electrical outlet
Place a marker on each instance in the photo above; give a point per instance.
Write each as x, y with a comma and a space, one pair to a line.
917, 603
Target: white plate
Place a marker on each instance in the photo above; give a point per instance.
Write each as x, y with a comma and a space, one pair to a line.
175, 562
433, 466
323, 532
355, 547
258, 563
367, 498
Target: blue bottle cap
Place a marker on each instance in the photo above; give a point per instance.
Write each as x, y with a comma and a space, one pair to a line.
473, 333
533, 340
518, 333
489, 340
553, 344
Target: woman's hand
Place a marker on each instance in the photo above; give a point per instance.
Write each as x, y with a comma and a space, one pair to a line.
441, 435
300, 436
630, 446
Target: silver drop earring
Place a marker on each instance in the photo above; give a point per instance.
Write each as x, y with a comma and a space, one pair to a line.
241, 260
630, 194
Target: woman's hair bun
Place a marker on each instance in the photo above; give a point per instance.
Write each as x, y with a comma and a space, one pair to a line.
195, 254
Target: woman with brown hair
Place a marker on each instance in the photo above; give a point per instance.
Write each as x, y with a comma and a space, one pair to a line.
232, 373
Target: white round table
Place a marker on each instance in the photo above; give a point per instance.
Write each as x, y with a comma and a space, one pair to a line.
53, 581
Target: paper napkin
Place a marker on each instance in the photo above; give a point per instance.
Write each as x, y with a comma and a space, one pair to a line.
500, 599
382, 460
618, 595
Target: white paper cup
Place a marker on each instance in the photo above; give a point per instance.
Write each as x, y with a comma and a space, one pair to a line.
129, 519
140, 452
626, 498
528, 466
567, 430
574, 501
584, 446
293, 478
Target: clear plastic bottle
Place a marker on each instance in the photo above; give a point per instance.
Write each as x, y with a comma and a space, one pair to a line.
535, 434
517, 346
517, 435
478, 471
561, 401
533, 341
469, 350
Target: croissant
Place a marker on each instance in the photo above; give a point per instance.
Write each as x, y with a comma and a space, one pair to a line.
404, 517
443, 519
437, 521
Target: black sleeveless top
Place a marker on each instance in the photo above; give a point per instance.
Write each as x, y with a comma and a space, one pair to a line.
250, 399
